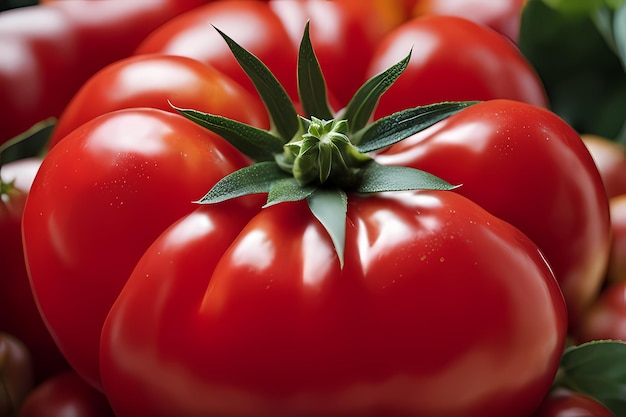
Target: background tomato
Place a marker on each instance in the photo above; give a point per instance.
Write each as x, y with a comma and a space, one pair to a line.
16, 374
610, 158
155, 80
453, 59
252, 24
19, 315
48, 51
65, 395
606, 319
527, 166
503, 16
565, 403
100, 197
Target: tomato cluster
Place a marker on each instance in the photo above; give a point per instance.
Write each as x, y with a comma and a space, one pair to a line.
394, 221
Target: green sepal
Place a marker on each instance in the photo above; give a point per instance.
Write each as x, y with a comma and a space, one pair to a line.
377, 178
284, 118
596, 369
330, 207
361, 107
287, 189
257, 144
311, 83
400, 125
28, 144
254, 179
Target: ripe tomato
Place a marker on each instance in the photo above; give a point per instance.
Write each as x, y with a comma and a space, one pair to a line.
528, 167
440, 309
503, 16
453, 59
19, 315
48, 51
251, 23
153, 80
63, 395
610, 158
100, 197
606, 319
16, 374
616, 271
566, 403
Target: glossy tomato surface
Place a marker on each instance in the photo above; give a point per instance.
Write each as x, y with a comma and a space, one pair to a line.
441, 309
160, 81
565, 403
100, 197
526, 166
453, 58
252, 24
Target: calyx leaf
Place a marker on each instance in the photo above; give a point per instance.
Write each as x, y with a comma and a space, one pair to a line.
320, 156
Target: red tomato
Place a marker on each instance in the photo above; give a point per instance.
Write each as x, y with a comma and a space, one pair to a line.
503, 16
252, 24
344, 37
566, 403
616, 270
528, 167
65, 395
152, 81
19, 315
48, 51
453, 59
256, 318
100, 197
610, 158
16, 374
606, 319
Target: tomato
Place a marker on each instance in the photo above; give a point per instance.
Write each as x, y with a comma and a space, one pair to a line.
528, 167
344, 36
606, 319
16, 374
503, 16
565, 403
50, 50
65, 394
155, 81
453, 59
616, 270
100, 197
251, 23
610, 158
256, 318
19, 315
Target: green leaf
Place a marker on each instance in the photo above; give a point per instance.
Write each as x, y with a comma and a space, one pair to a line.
283, 115
254, 179
379, 178
361, 107
398, 126
311, 83
597, 369
330, 207
257, 144
27, 144
287, 189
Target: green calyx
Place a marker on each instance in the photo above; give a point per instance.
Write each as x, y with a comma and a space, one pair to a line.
322, 155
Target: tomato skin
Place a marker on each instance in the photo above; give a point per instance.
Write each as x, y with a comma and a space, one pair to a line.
100, 197
65, 394
155, 81
250, 23
269, 325
526, 166
606, 319
503, 16
610, 158
50, 50
453, 59
344, 37
565, 403
19, 315
16, 374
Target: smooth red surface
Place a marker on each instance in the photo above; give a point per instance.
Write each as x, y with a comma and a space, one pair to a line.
566, 403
